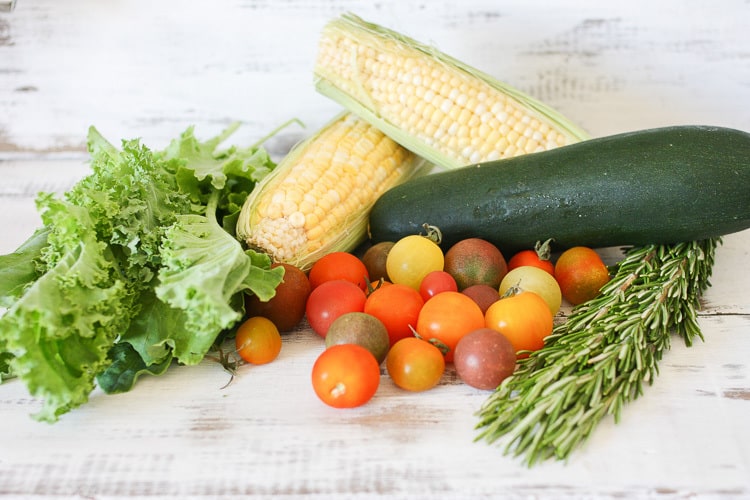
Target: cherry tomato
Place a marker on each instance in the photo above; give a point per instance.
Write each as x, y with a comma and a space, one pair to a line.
414, 364
581, 273
339, 266
345, 376
447, 317
330, 300
362, 329
534, 279
287, 308
374, 260
483, 295
474, 261
258, 340
413, 257
524, 319
436, 282
484, 358
538, 257
397, 306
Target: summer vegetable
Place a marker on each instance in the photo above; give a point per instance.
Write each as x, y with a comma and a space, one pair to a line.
656, 186
317, 199
601, 357
440, 108
136, 266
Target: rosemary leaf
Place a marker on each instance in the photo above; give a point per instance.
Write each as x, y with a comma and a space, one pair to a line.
601, 357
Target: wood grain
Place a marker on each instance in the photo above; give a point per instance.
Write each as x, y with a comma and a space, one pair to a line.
151, 69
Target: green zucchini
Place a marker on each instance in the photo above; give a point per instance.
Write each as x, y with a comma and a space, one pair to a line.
661, 185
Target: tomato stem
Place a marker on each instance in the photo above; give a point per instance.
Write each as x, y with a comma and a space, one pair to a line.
436, 342
440, 345
544, 249
370, 287
512, 291
433, 233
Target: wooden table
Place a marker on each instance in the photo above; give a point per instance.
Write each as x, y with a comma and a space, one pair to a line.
150, 69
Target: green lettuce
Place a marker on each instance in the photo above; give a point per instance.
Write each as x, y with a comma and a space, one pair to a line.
135, 267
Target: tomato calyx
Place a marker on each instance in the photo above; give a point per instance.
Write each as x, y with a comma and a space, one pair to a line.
512, 291
442, 346
544, 249
228, 359
433, 233
371, 287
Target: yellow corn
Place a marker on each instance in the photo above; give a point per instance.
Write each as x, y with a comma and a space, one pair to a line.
440, 108
318, 197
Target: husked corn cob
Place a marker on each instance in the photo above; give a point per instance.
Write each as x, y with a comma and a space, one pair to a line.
440, 108
318, 197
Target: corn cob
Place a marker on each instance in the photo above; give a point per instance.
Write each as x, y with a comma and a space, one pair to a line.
442, 109
318, 197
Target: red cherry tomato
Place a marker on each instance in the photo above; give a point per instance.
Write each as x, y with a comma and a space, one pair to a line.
330, 300
397, 306
345, 376
339, 266
436, 282
538, 257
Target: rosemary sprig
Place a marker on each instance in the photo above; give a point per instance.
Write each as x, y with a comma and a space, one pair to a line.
600, 357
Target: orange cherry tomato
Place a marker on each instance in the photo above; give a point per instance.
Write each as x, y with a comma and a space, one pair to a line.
447, 317
258, 340
581, 273
414, 364
345, 376
397, 306
524, 319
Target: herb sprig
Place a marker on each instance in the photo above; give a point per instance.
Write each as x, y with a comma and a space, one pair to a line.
600, 358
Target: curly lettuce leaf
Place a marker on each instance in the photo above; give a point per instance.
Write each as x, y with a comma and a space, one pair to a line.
5, 358
202, 170
63, 326
203, 268
133, 196
81, 295
127, 366
20, 269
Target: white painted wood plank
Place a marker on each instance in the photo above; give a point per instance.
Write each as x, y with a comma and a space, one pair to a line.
150, 69
141, 68
266, 433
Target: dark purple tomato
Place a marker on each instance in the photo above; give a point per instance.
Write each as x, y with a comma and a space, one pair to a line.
483, 295
484, 358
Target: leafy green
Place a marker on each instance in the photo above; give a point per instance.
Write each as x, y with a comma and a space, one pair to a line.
127, 365
19, 269
135, 266
203, 267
